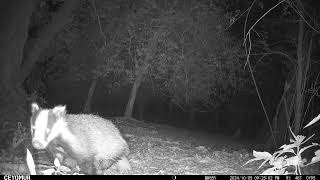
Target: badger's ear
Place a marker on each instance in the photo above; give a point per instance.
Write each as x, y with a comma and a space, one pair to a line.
59, 110
34, 107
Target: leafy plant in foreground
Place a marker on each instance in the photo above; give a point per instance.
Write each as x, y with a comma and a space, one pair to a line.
288, 156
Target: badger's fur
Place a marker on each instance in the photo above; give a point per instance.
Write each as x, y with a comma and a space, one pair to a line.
94, 142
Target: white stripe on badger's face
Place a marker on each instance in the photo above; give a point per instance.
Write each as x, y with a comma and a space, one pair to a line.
34, 108
57, 129
40, 128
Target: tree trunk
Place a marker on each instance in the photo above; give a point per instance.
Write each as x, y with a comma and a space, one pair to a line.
311, 113
34, 47
19, 54
299, 80
282, 117
87, 106
132, 97
14, 22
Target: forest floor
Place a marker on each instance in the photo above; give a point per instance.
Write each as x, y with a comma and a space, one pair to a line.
165, 150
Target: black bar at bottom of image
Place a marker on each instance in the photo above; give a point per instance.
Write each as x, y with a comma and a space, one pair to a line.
170, 177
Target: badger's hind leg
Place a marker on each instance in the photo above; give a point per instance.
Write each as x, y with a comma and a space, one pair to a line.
102, 164
87, 167
111, 166
123, 165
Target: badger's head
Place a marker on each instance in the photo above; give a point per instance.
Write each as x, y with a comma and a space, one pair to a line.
46, 124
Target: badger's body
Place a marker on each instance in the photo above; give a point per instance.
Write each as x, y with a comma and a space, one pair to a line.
94, 142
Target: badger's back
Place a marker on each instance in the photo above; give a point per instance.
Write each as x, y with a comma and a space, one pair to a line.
90, 135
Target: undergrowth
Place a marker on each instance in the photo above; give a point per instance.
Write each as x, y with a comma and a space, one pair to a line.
18, 134
289, 155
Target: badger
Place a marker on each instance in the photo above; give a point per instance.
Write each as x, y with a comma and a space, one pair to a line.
93, 142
